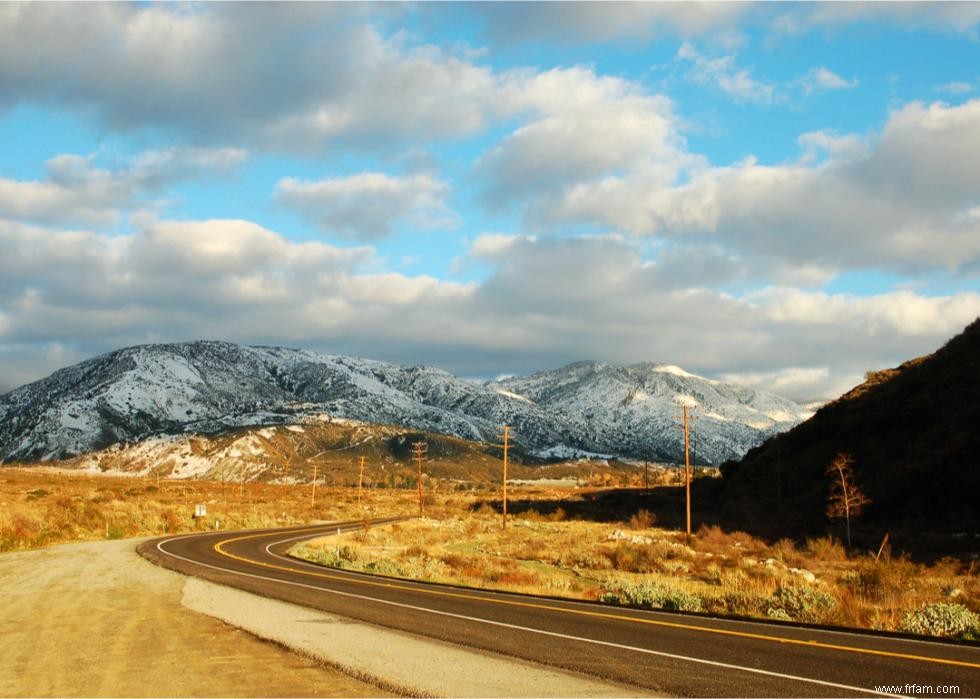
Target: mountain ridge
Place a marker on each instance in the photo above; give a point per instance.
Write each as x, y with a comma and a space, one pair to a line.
210, 386
912, 431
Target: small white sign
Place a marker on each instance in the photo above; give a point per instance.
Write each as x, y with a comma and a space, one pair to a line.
200, 510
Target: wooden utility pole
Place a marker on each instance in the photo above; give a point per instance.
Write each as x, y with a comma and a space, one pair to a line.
419, 449
506, 438
360, 480
646, 475
313, 492
241, 481
687, 419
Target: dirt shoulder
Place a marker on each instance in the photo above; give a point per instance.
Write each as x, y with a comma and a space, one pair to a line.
96, 620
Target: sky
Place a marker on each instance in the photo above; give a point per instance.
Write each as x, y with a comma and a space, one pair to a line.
782, 195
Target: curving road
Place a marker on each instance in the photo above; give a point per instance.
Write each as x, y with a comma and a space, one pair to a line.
673, 653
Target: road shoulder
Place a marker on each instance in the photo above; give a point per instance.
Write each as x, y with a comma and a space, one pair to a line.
95, 619
401, 662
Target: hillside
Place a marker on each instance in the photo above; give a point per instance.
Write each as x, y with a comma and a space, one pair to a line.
209, 388
914, 432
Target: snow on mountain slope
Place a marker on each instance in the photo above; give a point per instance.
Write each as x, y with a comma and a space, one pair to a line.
634, 409
208, 387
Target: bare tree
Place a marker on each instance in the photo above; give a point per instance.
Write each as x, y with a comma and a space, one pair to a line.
845, 499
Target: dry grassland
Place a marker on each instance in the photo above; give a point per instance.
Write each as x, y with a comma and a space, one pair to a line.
635, 563
40, 507
460, 541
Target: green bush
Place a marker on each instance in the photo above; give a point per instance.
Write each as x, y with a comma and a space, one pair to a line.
942, 619
336, 557
649, 595
801, 603
384, 566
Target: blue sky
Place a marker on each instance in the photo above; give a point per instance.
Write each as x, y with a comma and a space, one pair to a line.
785, 195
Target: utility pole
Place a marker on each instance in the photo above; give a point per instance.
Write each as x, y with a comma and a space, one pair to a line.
646, 475
313, 493
506, 438
687, 465
360, 481
420, 449
241, 482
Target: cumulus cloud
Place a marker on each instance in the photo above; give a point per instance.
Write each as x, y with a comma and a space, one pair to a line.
901, 200
370, 205
825, 79
798, 18
601, 21
330, 78
546, 301
808, 382
723, 74
76, 190
580, 127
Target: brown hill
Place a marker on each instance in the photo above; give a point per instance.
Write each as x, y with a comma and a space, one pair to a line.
914, 432
289, 453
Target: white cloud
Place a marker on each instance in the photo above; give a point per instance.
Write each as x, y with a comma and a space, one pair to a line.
507, 23
546, 302
77, 191
805, 383
297, 77
369, 205
723, 74
581, 127
957, 87
492, 246
825, 79
899, 201
798, 18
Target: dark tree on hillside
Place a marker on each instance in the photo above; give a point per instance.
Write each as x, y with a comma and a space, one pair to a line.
845, 499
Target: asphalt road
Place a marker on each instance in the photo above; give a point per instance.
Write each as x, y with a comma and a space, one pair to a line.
677, 654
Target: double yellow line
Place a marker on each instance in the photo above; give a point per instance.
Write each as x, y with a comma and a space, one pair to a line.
219, 548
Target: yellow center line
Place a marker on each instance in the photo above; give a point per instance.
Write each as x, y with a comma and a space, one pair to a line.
219, 548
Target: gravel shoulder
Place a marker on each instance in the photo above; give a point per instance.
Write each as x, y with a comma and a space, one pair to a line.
96, 620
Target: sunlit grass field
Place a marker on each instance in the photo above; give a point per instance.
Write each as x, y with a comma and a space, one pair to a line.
636, 563
461, 540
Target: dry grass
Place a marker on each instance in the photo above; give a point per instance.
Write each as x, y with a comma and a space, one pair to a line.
728, 573
461, 541
40, 507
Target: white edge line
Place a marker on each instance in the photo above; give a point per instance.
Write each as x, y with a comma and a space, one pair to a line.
713, 663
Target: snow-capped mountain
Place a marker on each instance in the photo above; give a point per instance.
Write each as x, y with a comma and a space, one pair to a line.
208, 387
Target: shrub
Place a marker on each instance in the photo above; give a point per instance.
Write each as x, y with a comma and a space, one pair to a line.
826, 548
170, 521
941, 619
801, 603
785, 550
877, 581
635, 559
644, 519
649, 595
335, 557
384, 566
